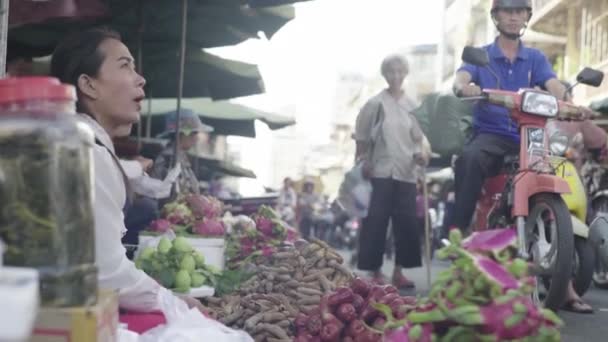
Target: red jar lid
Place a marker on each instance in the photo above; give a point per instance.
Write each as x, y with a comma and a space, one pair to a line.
20, 89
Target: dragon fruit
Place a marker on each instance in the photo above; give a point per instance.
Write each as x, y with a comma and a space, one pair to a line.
493, 240
292, 235
268, 212
204, 206
265, 225
160, 226
495, 272
208, 227
411, 333
508, 319
178, 214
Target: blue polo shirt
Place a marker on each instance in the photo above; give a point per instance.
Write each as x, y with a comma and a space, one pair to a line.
531, 68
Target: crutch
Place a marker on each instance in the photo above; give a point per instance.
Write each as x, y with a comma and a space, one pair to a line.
427, 230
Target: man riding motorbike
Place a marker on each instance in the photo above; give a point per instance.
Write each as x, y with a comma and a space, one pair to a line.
495, 134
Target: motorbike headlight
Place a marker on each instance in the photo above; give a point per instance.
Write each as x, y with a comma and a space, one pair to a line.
558, 143
540, 104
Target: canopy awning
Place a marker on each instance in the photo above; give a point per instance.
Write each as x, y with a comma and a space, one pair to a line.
207, 75
225, 117
206, 168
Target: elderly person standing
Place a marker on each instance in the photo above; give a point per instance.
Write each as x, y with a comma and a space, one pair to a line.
389, 144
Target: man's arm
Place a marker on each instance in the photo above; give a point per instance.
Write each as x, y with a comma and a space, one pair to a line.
361, 150
463, 86
556, 88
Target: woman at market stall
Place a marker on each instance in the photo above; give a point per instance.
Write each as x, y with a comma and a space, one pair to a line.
189, 128
109, 92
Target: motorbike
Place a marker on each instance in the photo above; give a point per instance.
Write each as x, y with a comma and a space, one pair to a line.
594, 176
570, 148
527, 192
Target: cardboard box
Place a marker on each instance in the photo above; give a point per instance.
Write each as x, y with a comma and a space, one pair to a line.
98, 323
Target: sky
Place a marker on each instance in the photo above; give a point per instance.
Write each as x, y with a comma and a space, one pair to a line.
301, 63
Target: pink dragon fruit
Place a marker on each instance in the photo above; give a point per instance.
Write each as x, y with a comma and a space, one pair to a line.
292, 235
264, 225
493, 240
507, 320
495, 272
268, 251
411, 333
179, 214
204, 206
160, 226
208, 227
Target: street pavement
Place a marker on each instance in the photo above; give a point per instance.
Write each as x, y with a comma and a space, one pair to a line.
578, 327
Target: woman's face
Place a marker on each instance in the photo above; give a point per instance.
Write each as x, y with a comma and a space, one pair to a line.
188, 141
118, 88
394, 74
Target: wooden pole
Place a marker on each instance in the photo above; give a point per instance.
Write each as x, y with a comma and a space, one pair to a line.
3, 35
180, 85
427, 231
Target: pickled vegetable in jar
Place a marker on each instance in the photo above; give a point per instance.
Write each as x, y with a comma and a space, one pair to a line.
46, 214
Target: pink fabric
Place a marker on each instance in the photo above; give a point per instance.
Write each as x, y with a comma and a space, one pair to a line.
141, 322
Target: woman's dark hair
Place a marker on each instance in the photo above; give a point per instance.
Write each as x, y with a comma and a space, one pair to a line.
79, 54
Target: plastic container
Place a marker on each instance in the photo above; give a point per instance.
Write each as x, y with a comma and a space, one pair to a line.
211, 248
19, 292
46, 216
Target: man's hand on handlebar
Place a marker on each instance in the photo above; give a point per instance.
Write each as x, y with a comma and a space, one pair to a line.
468, 90
587, 113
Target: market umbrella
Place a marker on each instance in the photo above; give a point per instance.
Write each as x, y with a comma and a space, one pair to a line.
207, 75
225, 117
210, 23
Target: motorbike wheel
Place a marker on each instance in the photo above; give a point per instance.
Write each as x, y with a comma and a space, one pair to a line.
551, 247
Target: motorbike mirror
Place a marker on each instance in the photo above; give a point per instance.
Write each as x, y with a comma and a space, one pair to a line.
475, 56
590, 77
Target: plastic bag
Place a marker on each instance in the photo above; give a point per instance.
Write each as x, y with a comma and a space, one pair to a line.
189, 325
355, 192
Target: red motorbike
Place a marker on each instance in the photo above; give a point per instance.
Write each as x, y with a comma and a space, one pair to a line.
527, 192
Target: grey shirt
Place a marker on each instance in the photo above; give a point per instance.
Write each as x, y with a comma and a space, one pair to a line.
399, 138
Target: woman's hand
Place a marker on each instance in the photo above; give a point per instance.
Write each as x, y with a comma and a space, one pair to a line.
194, 303
146, 163
421, 159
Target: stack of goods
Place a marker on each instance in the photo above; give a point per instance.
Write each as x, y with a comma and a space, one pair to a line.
251, 240
486, 295
175, 265
191, 215
291, 281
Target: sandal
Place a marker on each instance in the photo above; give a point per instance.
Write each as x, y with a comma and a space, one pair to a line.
401, 282
577, 306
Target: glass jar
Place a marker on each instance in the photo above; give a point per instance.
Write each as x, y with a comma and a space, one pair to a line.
46, 216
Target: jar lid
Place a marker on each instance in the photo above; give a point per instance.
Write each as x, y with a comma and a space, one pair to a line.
19, 89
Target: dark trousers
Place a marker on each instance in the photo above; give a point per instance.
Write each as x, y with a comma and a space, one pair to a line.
306, 225
396, 201
481, 158
138, 216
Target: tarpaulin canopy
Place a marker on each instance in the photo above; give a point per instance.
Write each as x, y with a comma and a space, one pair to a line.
207, 75
225, 117
41, 25
207, 167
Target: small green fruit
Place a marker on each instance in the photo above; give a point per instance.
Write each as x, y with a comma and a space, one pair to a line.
181, 244
199, 259
164, 245
187, 263
198, 280
183, 280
